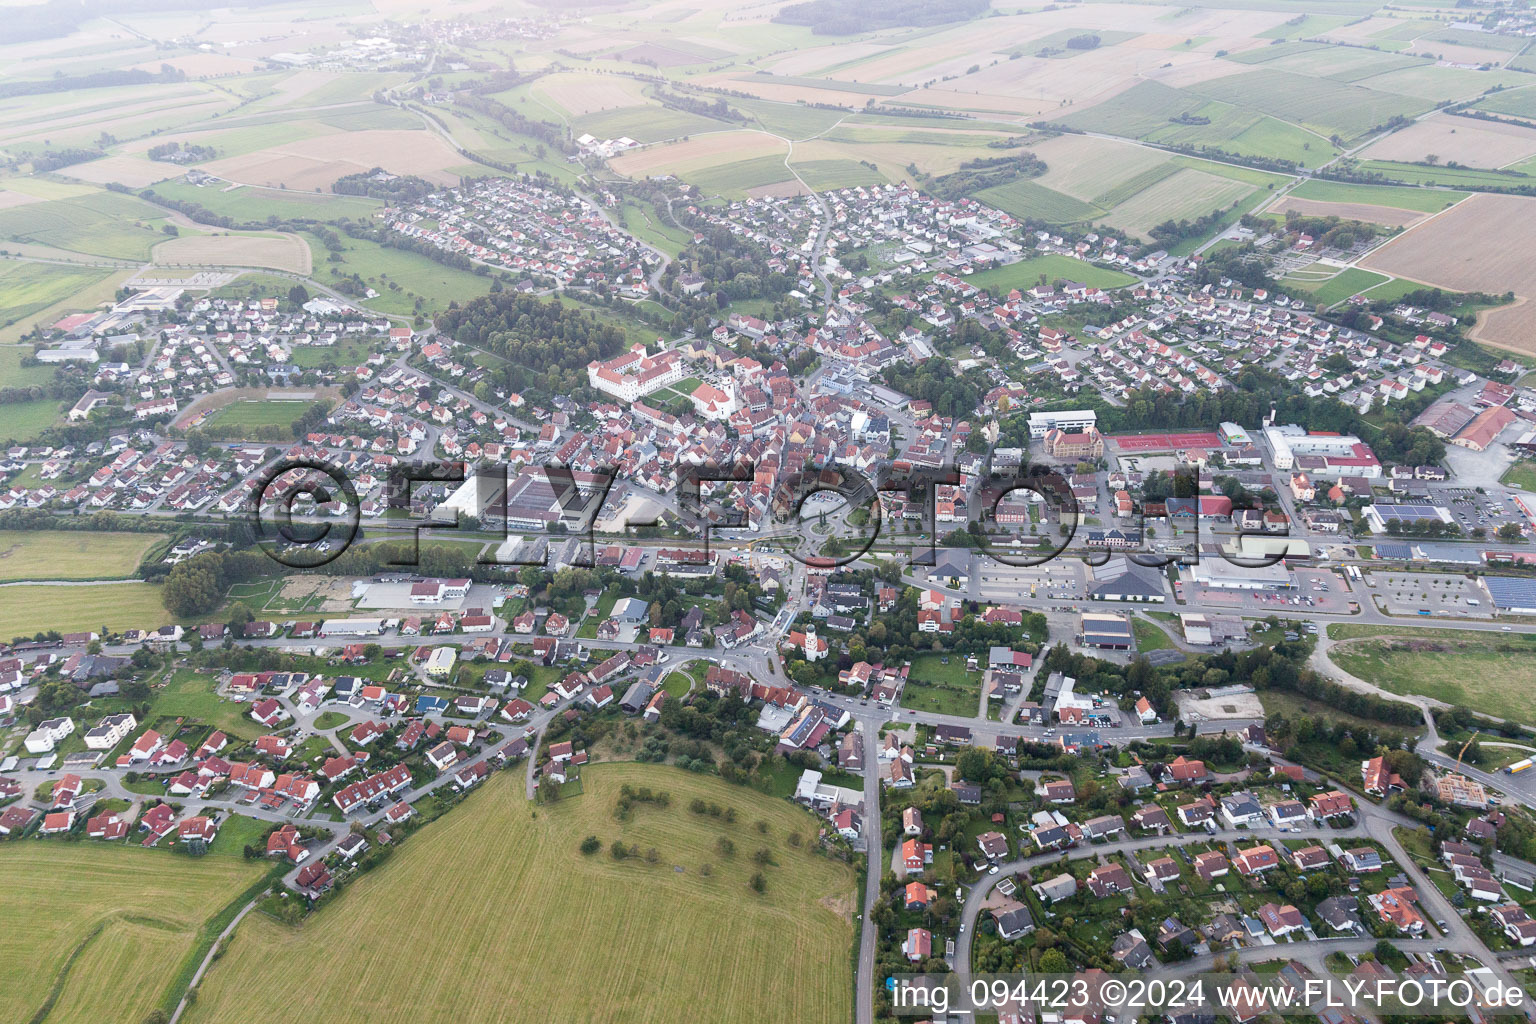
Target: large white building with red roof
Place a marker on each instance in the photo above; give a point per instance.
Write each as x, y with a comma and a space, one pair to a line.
635, 374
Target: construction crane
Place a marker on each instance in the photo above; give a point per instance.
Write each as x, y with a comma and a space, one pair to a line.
1464, 747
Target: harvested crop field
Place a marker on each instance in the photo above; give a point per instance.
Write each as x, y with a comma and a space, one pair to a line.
1511, 327
1481, 244
314, 164
275, 252
697, 153
1462, 139
578, 94
1387, 215
660, 941
133, 171
1085, 167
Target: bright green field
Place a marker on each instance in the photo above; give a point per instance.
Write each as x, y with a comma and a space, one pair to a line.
13, 374
824, 175
654, 944
237, 416
1027, 274
942, 689
1420, 174
26, 288
25, 610
191, 695
416, 276
1516, 102
107, 924
71, 554
1421, 200
99, 223
22, 421
732, 180
1147, 111
1337, 289
248, 204
1324, 105
1025, 198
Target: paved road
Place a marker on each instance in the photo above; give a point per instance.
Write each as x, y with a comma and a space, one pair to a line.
873, 870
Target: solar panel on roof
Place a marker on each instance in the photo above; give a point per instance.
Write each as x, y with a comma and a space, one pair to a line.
1406, 513
1397, 552
1512, 591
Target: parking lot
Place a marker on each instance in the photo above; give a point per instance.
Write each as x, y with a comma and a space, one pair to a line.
1319, 590
1481, 511
1432, 594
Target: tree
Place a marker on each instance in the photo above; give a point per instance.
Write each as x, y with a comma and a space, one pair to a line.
298, 295
591, 845
759, 883
1054, 961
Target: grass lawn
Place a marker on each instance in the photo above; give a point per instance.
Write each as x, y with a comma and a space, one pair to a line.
104, 927
1495, 677
351, 353
945, 689
71, 554
416, 276
673, 944
14, 375
1150, 637
1027, 274
1522, 475
1339, 287
191, 695
677, 684
23, 421
330, 720
25, 610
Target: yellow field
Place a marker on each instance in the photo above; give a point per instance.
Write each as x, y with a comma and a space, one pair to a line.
578, 94
314, 164
278, 252
70, 554
131, 914
1474, 143
697, 153
1388, 215
494, 914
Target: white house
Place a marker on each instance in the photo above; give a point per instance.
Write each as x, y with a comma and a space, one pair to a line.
48, 734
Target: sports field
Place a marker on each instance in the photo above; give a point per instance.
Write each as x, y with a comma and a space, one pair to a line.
71, 554
101, 930
29, 609
237, 416
496, 908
